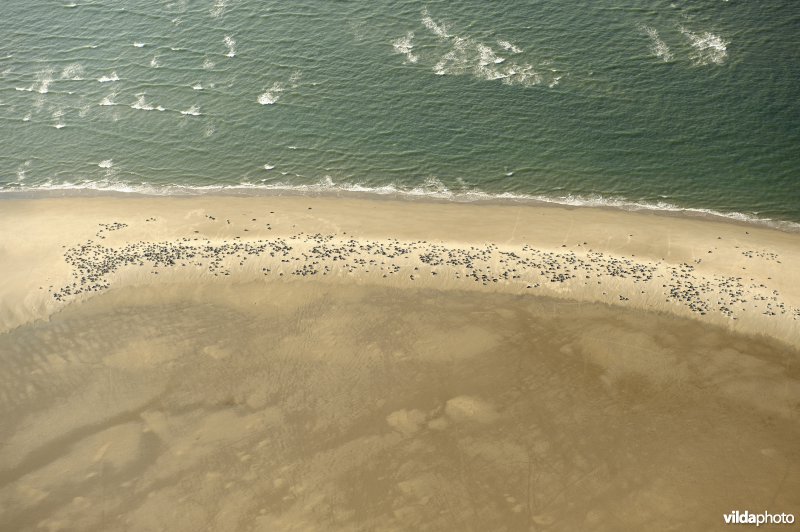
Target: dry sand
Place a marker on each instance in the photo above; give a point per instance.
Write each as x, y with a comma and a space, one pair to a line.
297, 363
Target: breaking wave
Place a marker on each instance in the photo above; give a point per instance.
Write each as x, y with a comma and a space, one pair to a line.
432, 188
708, 48
231, 44
405, 46
272, 95
468, 56
657, 47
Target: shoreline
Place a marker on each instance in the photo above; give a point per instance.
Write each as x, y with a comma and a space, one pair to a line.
738, 276
393, 194
241, 361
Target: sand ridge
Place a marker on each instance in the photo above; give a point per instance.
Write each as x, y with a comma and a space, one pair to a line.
742, 281
303, 363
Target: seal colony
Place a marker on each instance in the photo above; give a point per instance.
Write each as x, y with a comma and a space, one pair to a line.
342, 363
321, 255
737, 276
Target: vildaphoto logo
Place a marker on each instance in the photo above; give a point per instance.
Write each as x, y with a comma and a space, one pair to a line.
764, 518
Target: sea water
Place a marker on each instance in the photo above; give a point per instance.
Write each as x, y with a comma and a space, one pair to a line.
668, 105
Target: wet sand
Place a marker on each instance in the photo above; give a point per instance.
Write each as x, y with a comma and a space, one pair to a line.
342, 364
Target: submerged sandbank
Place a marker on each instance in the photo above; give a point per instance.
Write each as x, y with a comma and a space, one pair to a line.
308, 405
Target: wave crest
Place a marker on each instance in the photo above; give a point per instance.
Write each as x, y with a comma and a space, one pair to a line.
431, 188
405, 46
657, 47
468, 56
708, 48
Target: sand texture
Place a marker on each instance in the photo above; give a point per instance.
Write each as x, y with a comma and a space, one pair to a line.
297, 363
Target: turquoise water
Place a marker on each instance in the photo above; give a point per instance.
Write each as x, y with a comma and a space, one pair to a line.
686, 105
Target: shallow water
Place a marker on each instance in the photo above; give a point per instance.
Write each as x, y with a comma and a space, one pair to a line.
270, 406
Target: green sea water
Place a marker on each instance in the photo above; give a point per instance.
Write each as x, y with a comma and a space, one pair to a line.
675, 105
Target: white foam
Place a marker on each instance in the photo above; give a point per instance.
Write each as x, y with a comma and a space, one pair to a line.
111, 77
431, 188
708, 48
22, 170
528, 77
405, 46
487, 56
192, 111
26, 118
269, 166
45, 79
197, 87
231, 44
658, 47
455, 61
208, 64
108, 166
272, 95
509, 47
438, 29
469, 56
57, 115
154, 62
487, 62
142, 105
73, 72
139, 44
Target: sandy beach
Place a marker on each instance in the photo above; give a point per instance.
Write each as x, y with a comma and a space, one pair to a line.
741, 277
345, 363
